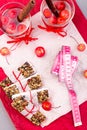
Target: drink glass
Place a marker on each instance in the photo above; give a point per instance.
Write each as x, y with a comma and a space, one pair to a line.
10, 24
65, 9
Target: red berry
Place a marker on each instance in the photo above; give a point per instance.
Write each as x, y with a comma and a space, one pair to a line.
60, 5
11, 28
64, 14
12, 13
60, 20
53, 20
47, 13
40, 51
4, 51
85, 73
81, 47
21, 27
4, 20
46, 105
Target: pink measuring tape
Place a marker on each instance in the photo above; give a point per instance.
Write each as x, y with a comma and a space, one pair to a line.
64, 66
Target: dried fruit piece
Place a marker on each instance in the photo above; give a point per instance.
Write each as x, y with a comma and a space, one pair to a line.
37, 118
34, 82
19, 103
26, 70
42, 96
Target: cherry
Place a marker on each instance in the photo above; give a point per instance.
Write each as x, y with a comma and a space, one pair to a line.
60, 20
21, 27
85, 73
40, 51
53, 20
12, 13
64, 14
4, 51
60, 5
11, 28
47, 13
46, 106
4, 20
81, 47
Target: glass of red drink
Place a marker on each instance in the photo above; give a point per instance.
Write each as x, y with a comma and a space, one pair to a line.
10, 23
65, 10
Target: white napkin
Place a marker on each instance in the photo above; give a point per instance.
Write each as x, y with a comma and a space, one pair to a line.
52, 43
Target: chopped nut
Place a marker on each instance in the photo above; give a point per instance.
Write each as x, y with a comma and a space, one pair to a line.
19, 103
37, 118
34, 82
11, 91
26, 70
6, 82
42, 96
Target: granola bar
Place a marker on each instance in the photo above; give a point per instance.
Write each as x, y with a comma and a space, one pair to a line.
26, 70
6, 82
19, 103
11, 91
34, 82
42, 96
37, 118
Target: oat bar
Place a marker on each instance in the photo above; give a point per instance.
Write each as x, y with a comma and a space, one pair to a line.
42, 96
34, 82
6, 82
26, 70
19, 103
11, 91
37, 118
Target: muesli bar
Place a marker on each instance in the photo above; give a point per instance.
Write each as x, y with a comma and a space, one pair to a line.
6, 82
26, 70
34, 82
37, 118
42, 96
11, 90
19, 103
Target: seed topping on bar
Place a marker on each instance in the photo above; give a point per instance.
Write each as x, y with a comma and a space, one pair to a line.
34, 82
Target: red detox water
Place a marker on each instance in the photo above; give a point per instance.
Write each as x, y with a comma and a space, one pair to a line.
10, 24
65, 10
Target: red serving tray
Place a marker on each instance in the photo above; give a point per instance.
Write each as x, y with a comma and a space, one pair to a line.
63, 123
